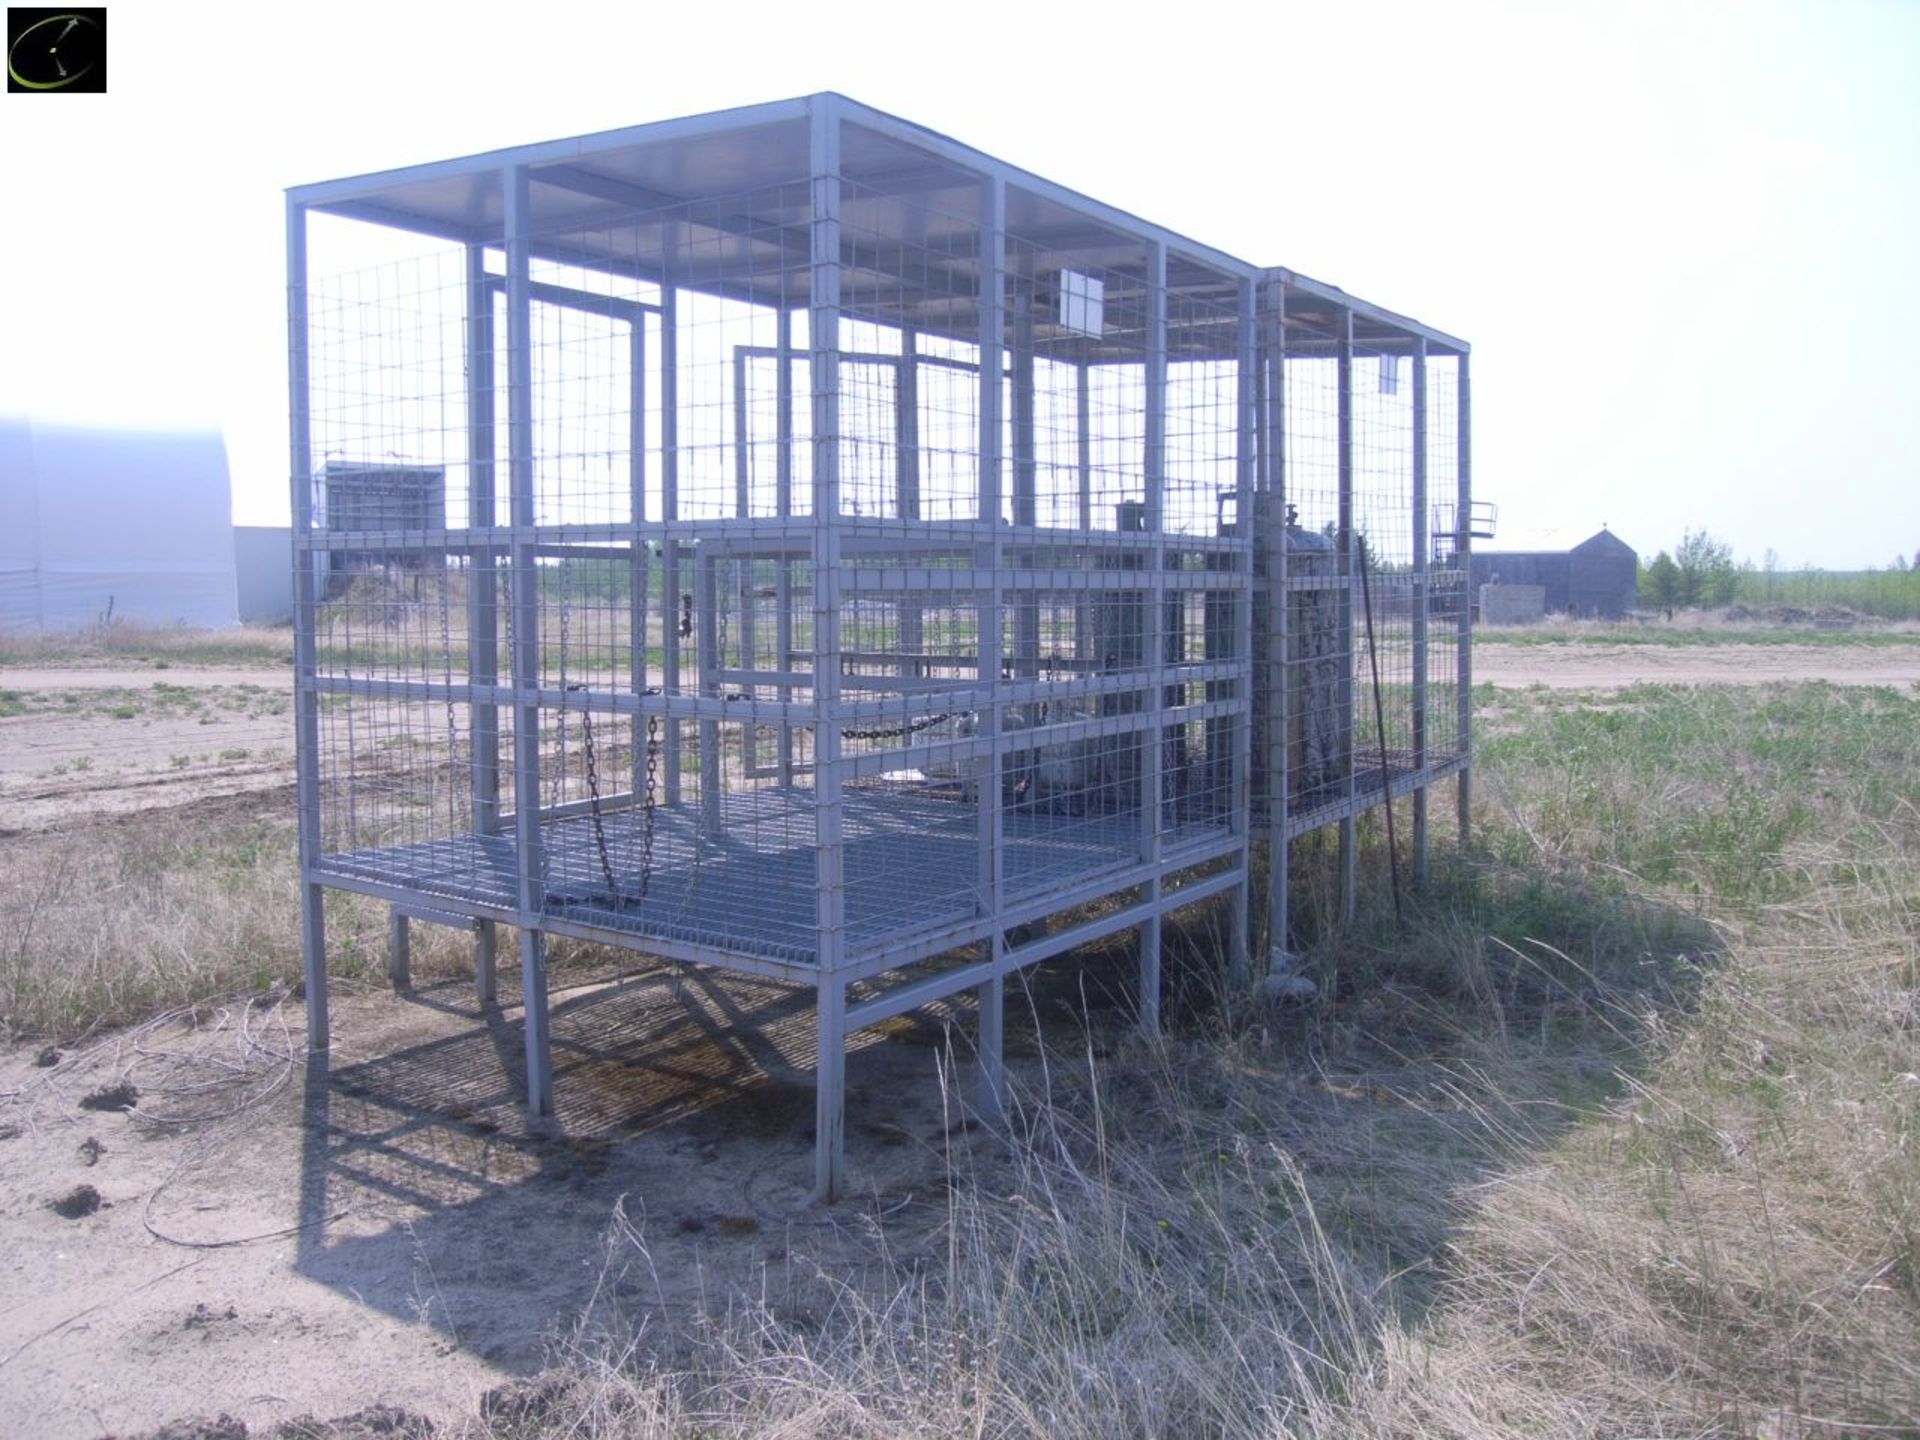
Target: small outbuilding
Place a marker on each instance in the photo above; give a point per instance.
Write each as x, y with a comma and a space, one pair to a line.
1598, 578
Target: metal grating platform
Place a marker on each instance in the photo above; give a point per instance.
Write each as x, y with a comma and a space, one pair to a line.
912, 863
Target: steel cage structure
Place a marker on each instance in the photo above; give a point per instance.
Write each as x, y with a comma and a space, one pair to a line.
790, 541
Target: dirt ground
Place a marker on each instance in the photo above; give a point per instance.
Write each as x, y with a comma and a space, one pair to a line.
279, 1234
273, 1234
102, 741
1608, 667
80, 742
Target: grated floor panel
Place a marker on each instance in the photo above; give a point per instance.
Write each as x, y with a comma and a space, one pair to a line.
748, 884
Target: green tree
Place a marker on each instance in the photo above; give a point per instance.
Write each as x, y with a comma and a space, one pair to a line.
1660, 582
1707, 573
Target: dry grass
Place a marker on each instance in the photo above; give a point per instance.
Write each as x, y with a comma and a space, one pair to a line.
1587, 1153
132, 642
106, 924
1617, 1137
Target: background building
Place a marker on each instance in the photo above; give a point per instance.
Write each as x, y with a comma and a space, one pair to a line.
99, 522
1597, 578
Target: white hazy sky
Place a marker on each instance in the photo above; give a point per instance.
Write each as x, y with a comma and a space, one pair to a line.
1684, 239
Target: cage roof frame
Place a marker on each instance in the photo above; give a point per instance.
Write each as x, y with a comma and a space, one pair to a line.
611, 179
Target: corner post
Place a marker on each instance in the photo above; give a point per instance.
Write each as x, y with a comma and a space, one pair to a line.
526, 641
1421, 582
306, 617
1246, 508
483, 594
1154, 638
823, 342
1279, 617
1463, 557
1349, 851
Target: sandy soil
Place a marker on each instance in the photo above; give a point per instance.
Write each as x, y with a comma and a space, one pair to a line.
1606, 667
103, 742
281, 1234
76, 753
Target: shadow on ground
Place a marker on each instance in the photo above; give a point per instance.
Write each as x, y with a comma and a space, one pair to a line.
676, 1170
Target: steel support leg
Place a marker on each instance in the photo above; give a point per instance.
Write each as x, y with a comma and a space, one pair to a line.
486, 948
991, 1052
313, 957
1150, 969
399, 949
830, 1093
533, 994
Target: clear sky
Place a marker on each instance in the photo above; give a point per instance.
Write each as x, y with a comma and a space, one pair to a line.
1684, 239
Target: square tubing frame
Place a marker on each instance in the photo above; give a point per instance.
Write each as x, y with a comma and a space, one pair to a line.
526, 641
823, 340
1421, 583
306, 699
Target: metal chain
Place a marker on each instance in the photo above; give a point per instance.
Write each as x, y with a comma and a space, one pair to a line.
650, 806
898, 732
593, 796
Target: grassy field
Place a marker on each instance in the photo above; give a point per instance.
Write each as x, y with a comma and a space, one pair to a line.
1617, 1134
1691, 629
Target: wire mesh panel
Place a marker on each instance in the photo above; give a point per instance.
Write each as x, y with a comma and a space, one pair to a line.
793, 542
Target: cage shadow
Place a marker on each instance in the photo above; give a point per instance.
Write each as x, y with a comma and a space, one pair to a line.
684, 1101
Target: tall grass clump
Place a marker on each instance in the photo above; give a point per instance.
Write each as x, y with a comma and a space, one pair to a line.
1616, 1136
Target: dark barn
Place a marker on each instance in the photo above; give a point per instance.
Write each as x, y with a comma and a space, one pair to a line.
1598, 578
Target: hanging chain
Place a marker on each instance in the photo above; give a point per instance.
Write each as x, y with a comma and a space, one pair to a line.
593, 796
898, 732
649, 804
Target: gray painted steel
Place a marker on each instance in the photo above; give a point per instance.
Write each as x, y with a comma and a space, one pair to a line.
993, 623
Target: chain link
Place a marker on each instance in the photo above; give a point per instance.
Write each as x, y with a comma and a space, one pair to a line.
899, 732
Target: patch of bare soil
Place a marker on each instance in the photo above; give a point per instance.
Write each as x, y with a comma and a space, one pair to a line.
280, 1235
84, 742
1609, 667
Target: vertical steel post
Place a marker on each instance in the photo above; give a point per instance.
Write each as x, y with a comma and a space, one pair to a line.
1279, 619
783, 507
399, 949
906, 449
638, 578
990, 1051
1240, 798
823, 342
1421, 582
1153, 628
1026, 507
670, 610
1463, 558
707, 662
1349, 855
743, 590
483, 595
1083, 515
990, 556
526, 641
306, 700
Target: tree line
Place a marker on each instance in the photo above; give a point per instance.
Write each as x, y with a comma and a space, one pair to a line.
1701, 572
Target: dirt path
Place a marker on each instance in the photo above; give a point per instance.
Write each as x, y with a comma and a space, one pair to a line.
202, 677
1607, 667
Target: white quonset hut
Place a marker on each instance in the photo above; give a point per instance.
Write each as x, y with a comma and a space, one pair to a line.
129, 523
852, 561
